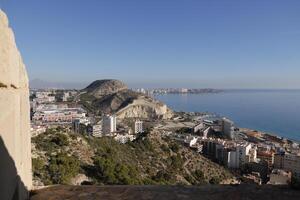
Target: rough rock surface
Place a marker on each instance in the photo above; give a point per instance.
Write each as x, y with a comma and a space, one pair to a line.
113, 97
242, 192
145, 107
101, 88
15, 149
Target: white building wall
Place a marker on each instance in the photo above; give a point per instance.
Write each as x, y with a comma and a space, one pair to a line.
138, 127
109, 124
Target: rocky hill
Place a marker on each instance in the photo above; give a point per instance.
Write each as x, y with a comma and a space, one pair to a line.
113, 97
101, 88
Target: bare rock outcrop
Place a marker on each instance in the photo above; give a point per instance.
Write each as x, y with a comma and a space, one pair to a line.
145, 107
15, 147
113, 97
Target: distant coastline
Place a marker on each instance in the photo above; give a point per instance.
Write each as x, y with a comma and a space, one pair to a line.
274, 112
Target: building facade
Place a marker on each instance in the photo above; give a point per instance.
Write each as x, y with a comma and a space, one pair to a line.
109, 124
138, 127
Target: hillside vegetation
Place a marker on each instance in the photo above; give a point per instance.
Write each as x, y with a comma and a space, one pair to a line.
59, 157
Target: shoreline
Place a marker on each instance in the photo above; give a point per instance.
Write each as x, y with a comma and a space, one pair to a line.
278, 136
279, 121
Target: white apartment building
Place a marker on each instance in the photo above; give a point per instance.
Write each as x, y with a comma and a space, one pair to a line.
138, 127
243, 154
191, 141
228, 128
232, 160
109, 124
66, 96
42, 94
97, 130
243, 151
124, 138
48, 99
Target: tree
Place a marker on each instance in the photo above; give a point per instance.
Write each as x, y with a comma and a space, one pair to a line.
37, 166
199, 175
62, 168
215, 180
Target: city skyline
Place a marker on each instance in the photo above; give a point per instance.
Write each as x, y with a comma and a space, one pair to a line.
199, 44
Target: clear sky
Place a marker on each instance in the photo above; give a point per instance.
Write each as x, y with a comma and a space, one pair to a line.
152, 43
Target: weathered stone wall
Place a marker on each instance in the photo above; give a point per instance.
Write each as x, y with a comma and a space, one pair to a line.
15, 147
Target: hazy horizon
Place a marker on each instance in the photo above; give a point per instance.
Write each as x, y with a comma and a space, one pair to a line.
194, 44
42, 84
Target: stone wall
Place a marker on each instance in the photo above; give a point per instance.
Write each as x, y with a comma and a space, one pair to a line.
15, 147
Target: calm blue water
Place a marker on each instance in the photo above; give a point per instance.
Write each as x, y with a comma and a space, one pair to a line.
273, 111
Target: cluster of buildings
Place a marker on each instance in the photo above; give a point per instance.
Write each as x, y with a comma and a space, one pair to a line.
175, 91
44, 97
57, 114
262, 160
50, 96
51, 108
107, 126
218, 126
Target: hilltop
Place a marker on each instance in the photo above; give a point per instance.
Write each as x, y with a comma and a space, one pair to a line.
100, 88
114, 97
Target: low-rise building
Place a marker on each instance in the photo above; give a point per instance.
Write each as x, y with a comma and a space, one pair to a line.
124, 138
191, 141
280, 177
57, 114
267, 156
289, 162
66, 96
97, 130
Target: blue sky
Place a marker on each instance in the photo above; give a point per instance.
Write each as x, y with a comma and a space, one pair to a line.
161, 43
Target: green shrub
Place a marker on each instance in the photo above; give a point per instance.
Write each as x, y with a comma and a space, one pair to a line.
51, 141
163, 177
109, 171
60, 140
215, 180
177, 162
165, 148
62, 168
175, 147
37, 166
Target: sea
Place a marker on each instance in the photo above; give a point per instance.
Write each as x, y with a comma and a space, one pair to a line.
272, 111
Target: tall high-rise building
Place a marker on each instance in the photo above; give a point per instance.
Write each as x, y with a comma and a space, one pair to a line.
109, 124
228, 128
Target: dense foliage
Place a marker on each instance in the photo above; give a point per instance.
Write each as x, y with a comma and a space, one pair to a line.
146, 160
